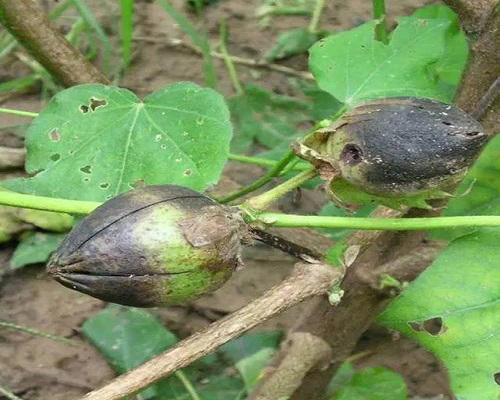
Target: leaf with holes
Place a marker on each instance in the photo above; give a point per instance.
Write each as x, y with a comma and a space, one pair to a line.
452, 308
94, 141
354, 67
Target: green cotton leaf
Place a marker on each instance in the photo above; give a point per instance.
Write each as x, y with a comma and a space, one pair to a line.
450, 67
265, 117
354, 67
127, 337
452, 308
10, 225
376, 383
93, 141
290, 43
48, 220
35, 248
323, 104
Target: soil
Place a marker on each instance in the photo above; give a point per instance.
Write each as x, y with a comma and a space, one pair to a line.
38, 368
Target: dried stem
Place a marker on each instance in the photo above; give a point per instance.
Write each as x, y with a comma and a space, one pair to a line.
301, 343
29, 24
295, 250
235, 59
307, 280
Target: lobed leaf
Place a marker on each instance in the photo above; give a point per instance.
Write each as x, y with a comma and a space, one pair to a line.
93, 141
354, 67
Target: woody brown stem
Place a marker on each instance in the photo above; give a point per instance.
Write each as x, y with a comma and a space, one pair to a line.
29, 24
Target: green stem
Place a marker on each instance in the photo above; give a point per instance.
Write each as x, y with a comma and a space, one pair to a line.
36, 332
264, 200
264, 162
187, 385
313, 24
9, 395
47, 203
231, 69
274, 219
268, 177
390, 224
18, 112
381, 28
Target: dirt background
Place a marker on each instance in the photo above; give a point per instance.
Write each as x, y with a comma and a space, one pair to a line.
37, 368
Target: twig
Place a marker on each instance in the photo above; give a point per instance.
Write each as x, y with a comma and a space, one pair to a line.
363, 300
36, 332
237, 60
295, 250
307, 280
11, 157
29, 24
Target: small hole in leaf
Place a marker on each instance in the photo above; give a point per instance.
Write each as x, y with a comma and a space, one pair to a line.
497, 378
84, 108
351, 154
55, 156
447, 123
86, 169
54, 135
187, 172
94, 103
434, 326
104, 185
86, 179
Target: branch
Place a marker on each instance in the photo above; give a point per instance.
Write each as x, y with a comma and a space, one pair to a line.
307, 280
288, 369
28, 23
262, 64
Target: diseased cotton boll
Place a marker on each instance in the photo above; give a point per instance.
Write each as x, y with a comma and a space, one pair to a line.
398, 152
403, 146
154, 246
